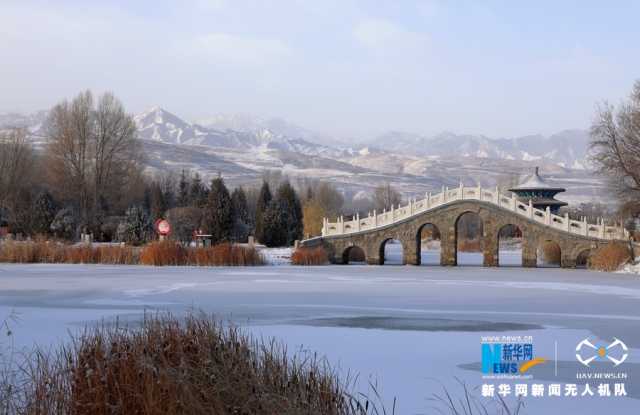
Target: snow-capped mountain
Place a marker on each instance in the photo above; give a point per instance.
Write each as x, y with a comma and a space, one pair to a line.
160, 125
254, 124
412, 163
567, 148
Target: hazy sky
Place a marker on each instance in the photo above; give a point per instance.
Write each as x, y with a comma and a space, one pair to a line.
500, 68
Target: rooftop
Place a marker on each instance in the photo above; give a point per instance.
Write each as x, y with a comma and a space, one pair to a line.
534, 182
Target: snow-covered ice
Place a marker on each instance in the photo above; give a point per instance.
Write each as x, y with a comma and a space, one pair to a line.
413, 329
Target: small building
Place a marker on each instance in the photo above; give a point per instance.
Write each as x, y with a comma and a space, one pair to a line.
541, 194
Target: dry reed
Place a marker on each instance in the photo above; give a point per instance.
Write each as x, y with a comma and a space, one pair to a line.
156, 253
310, 256
169, 366
609, 258
59, 253
226, 254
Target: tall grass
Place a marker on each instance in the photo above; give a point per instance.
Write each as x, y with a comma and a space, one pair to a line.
58, 253
610, 257
310, 256
170, 253
157, 253
168, 366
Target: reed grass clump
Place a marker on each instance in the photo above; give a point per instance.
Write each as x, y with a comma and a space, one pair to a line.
156, 253
51, 252
609, 258
310, 256
226, 254
170, 366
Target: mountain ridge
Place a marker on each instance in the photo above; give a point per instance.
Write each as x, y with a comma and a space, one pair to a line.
411, 162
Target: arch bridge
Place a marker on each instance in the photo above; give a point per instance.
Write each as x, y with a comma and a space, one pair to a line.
575, 238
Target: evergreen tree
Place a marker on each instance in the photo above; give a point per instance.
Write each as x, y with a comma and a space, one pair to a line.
64, 224
275, 220
183, 190
261, 206
146, 199
197, 192
295, 223
241, 225
158, 203
218, 217
44, 211
168, 195
136, 227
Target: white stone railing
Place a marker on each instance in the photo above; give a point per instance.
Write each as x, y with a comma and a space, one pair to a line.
414, 207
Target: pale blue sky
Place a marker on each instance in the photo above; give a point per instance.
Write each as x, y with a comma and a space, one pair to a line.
349, 68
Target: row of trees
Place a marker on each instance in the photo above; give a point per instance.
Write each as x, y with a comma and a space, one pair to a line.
89, 178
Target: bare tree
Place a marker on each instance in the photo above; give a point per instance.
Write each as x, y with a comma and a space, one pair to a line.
17, 170
92, 151
615, 142
16, 160
385, 196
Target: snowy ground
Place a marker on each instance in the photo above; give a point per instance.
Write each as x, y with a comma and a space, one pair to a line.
412, 328
631, 268
276, 256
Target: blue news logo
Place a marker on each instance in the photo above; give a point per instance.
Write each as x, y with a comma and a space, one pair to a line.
508, 358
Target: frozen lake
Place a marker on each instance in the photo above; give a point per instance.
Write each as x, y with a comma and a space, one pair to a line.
413, 329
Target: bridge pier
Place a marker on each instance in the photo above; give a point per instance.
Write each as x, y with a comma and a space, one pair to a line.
448, 248
373, 260
490, 250
567, 261
529, 252
410, 254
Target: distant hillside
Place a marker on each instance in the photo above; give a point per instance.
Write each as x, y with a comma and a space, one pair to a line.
242, 147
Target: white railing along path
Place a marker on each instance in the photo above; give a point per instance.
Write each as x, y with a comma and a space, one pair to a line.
415, 207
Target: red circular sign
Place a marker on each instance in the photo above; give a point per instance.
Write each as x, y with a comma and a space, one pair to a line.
163, 227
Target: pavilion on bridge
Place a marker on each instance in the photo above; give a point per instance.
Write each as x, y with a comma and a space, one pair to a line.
541, 194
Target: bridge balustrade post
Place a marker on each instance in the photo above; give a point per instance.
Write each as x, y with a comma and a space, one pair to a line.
514, 207
461, 191
428, 200
479, 190
547, 216
600, 227
496, 196
530, 209
567, 222
358, 221
585, 226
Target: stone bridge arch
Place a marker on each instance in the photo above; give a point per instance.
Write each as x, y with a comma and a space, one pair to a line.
439, 227
444, 217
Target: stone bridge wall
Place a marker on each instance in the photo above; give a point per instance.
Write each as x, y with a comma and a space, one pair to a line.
445, 218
